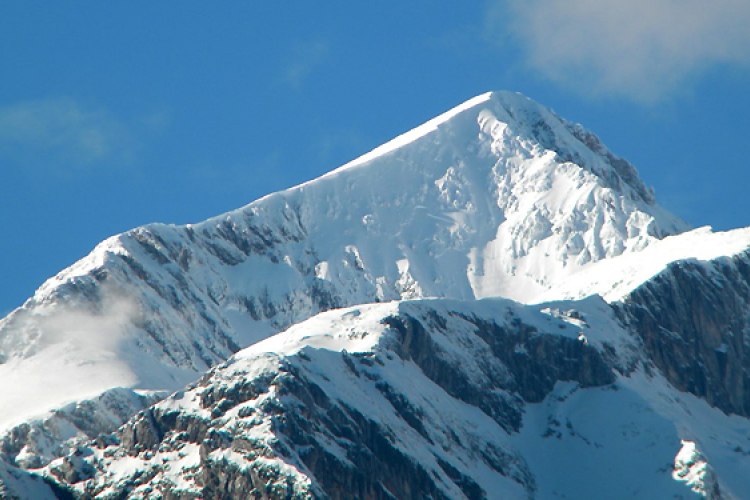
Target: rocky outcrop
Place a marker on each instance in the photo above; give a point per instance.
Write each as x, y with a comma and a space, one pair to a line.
466, 206
382, 409
694, 320
33, 444
524, 364
691, 467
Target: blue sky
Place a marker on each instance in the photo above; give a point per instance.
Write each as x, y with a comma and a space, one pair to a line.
117, 114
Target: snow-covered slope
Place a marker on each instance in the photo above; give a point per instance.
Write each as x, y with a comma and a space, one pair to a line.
616, 278
497, 197
427, 399
18, 484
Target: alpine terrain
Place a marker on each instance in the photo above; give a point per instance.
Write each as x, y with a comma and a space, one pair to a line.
490, 306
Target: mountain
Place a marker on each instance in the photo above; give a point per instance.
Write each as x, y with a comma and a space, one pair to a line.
427, 399
498, 197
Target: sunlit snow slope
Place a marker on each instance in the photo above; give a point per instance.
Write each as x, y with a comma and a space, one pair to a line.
498, 197
437, 399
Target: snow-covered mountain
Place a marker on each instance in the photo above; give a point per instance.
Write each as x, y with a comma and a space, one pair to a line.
498, 197
427, 399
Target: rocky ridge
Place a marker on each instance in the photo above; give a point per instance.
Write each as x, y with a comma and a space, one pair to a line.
421, 399
498, 197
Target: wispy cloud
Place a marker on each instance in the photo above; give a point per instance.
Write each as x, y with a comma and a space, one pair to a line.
68, 351
102, 329
99, 324
62, 128
306, 57
334, 147
212, 176
641, 49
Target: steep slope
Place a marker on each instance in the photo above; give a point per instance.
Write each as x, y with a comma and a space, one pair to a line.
497, 197
688, 298
694, 319
427, 399
17, 484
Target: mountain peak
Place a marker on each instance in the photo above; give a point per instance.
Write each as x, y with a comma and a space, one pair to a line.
497, 197
566, 138
502, 116
526, 195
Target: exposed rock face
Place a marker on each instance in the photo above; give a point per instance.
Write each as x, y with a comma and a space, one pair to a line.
694, 319
34, 444
498, 197
370, 419
691, 467
425, 399
524, 363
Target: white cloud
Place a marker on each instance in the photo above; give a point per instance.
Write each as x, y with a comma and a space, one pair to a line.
62, 128
62, 353
100, 330
304, 60
95, 326
642, 49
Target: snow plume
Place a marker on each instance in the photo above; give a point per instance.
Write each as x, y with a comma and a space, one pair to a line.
97, 325
642, 49
95, 330
64, 353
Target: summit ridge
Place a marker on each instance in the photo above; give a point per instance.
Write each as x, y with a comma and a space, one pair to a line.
485, 200
498, 198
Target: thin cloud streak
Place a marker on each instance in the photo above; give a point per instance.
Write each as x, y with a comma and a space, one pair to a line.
642, 49
62, 128
306, 58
